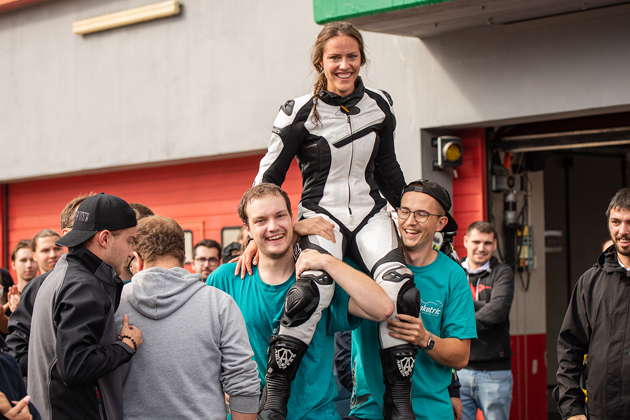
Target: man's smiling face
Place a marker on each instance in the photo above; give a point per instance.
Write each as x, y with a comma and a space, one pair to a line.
270, 225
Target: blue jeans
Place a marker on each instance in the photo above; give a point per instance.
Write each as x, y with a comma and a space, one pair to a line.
489, 390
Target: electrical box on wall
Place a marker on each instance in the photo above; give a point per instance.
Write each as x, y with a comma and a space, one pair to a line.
525, 239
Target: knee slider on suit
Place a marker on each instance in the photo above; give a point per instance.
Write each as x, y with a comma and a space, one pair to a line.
407, 296
302, 299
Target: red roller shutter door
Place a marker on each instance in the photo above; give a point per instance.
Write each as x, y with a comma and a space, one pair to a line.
470, 188
201, 197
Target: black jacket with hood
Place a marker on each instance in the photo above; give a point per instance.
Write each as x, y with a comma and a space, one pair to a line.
597, 323
493, 292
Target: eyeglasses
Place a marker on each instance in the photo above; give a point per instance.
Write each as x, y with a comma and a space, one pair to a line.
211, 260
128, 266
421, 216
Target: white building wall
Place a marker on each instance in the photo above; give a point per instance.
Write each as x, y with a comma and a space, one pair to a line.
543, 69
200, 86
208, 83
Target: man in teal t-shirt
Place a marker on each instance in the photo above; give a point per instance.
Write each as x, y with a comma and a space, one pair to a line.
266, 212
447, 317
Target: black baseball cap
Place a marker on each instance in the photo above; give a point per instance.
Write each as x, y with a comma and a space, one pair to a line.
96, 213
435, 190
230, 252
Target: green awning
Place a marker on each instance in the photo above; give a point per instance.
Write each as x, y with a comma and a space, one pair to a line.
334, 10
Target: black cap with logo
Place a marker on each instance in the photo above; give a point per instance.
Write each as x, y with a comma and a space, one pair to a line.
96, 213
435, 190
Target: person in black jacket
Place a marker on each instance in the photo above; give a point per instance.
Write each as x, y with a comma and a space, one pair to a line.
74, 348
487, 379
597, 323
14, 403
7, 282
20, 320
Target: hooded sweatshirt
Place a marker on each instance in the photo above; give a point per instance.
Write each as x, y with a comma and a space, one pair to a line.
195, 347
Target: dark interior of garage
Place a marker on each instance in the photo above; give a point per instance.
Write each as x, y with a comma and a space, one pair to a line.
584, 162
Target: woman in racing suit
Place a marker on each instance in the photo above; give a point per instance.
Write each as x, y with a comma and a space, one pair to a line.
343, 137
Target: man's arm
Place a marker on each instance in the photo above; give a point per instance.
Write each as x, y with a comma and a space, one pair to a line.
367, 299
451, 352
343, 352
239, 373
80, 324
456, 401
573, 344
457, 327
495, 311
4, 318
20, 322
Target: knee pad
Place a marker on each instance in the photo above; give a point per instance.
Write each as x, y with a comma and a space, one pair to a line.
408, 301
392, 277
302, 299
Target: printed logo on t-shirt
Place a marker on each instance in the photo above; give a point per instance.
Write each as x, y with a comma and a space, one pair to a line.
432, 308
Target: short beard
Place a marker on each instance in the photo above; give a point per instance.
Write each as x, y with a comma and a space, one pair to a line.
275, 255
625, 253
615, 240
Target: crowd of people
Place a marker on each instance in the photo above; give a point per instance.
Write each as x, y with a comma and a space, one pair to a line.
117, 328
76, 328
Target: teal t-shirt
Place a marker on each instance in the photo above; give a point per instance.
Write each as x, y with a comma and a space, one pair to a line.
314, 390
447, 311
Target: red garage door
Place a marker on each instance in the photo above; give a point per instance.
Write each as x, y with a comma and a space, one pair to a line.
202, 197
470, 189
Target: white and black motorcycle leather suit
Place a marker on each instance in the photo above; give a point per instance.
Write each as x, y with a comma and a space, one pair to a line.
345, 159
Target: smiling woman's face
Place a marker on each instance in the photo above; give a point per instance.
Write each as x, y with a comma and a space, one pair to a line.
341, 62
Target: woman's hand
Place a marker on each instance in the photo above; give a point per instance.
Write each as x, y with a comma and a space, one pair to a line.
315, 226
248, 258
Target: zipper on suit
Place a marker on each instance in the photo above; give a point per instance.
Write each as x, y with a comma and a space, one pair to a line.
351, 157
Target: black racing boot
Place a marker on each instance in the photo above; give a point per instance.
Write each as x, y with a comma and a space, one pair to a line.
398, 363
285, 355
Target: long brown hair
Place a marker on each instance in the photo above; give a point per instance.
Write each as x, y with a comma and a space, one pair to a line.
329, 31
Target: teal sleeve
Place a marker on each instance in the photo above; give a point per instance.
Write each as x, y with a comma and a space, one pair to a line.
459, 311
340, 319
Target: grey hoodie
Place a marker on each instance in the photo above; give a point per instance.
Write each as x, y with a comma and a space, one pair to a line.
195, 348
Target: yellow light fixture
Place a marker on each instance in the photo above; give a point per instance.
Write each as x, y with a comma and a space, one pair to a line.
449, 152
452, 152
126, 17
